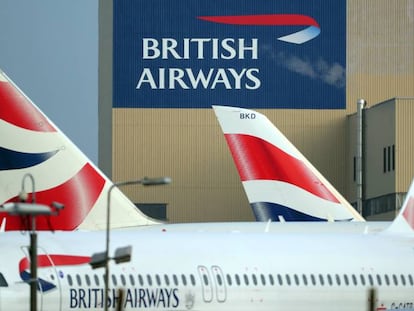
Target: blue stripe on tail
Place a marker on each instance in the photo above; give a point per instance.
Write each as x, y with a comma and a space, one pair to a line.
263, 211
12, 160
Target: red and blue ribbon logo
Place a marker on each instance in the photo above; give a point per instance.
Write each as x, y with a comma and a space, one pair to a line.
311, 31
44, 261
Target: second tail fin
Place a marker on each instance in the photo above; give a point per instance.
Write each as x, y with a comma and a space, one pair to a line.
280, 183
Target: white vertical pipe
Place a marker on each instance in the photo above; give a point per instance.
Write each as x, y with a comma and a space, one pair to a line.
361, 103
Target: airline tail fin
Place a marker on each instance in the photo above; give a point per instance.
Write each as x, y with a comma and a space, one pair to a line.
404, 222
31, 143
279, 181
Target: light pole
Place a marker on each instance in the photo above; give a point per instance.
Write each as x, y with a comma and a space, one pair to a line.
122, 254
31, 210
33, 243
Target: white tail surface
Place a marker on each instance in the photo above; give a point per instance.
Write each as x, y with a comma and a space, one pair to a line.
280, 183
404, 222
31, 144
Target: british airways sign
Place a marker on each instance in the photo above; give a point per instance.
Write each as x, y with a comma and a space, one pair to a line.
192, 54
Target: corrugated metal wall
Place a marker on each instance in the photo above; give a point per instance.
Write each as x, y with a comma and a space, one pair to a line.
380, 66
188, 145
404, 142
380, 49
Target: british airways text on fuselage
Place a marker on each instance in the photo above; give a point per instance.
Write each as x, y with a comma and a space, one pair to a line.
162, 298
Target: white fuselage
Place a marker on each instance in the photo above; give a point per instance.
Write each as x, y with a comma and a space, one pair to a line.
216, 271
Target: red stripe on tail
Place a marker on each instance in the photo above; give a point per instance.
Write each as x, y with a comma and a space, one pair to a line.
16, 109
256, 159
409, 212
78, 194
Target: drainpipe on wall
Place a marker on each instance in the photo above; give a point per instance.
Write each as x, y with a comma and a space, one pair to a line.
361, 103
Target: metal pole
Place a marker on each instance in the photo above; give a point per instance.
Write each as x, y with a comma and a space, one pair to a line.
106, 276
144, 181
108, 216
33, 246
31, 210
33, 270
359, 163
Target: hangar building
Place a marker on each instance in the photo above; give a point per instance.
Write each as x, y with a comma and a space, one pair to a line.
186, 142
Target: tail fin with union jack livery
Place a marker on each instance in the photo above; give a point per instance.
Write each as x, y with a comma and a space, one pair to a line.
280, 183
31, 144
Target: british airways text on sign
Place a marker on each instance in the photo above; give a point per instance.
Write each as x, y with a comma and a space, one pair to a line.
253, 54
200, 49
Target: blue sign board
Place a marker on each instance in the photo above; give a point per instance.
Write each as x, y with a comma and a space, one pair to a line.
247, 53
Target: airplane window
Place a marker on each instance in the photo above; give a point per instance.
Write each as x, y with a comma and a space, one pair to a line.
362, 280
280, 280
140, 280
329, 279
288, 279
371, 281
296, 279
167, 280
271, 280
394, 277
410, 279
387, 279
346, 280
321, 280
192, 279
114, 280
403, 279
96, 279
175, 279
338, 280
246, 279
88, 280
262, 277
52, 277
228, 279
254, 278
379, 279
313, 279
237, 279
184, 279
149, 280
158, 279
132, 280
205, 279
219, 280
123, 281
3, 282
305, 280
70, 282
78, 279
354, 279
